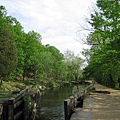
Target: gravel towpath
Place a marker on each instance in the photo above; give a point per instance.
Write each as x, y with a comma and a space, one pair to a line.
99, 105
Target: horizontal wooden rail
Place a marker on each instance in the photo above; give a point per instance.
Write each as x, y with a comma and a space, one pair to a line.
72, 101
18, 103
13, 108
20, 94
18, 115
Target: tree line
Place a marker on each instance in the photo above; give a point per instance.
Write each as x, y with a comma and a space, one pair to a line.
104, 54
24, 57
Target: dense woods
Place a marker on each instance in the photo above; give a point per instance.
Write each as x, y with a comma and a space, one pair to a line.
104, 55
24, 57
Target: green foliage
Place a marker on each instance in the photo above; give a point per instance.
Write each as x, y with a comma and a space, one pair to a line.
23, 57
103, 63
8, 56
73, 65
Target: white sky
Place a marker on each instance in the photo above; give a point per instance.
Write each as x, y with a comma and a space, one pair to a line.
56, 20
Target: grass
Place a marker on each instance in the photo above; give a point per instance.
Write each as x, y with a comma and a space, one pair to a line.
4, 96
8, 89
12, 86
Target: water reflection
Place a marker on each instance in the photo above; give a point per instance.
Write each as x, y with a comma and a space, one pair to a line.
52, 103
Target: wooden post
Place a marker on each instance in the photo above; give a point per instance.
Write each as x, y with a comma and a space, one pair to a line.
11, 109
5, 112
75, 100
38, 101
66, 110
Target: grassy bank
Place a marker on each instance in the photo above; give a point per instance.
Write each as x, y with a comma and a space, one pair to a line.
10, 88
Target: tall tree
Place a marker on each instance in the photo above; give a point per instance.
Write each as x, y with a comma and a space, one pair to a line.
104, 52
73, 65
8, 56
19, 36
31, 51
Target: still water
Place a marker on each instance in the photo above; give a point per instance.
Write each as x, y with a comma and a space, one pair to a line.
52, 102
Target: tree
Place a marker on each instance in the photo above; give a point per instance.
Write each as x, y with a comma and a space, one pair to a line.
32, 54
19, 36
8, 56
104, 52
73, 66
57, 59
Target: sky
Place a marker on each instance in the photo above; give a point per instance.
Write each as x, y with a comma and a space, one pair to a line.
57, 21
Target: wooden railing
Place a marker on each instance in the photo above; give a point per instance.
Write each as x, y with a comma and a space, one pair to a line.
75, 100
13, 108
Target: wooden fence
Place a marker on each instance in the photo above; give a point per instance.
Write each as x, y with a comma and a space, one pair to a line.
75, 100
13, 108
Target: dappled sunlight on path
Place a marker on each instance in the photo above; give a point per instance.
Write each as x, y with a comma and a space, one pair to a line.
99, 105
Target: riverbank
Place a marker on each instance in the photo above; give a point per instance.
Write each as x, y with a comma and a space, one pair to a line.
11, 87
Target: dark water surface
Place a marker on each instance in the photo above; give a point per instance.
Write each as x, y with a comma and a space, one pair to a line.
52, 102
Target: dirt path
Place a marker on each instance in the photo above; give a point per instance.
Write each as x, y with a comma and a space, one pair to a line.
99, 106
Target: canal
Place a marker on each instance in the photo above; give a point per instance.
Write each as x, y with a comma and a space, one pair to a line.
52, 102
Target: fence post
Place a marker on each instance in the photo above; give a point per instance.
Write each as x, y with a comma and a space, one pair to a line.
66, 110
11, 109
5, 112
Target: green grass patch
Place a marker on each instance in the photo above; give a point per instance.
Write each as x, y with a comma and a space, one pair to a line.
8, 89
7, 95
